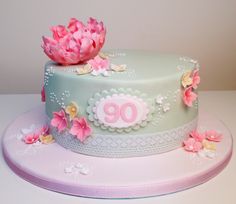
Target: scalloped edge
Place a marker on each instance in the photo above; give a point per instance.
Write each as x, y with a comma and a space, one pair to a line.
126, 91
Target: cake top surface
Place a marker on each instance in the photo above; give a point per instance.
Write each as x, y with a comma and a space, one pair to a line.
75, 49
131, 65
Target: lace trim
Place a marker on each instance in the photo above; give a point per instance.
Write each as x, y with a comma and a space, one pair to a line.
126, 146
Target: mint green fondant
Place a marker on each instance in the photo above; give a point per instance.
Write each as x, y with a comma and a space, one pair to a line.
149, 72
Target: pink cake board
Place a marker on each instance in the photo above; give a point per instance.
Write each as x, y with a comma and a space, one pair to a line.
44, 165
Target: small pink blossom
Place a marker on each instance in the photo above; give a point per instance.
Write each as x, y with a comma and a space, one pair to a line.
76, 44
189, 96
191, 145
80, 128
195, 78
31, 138
43, 96
59, 120
197, 136
214, 136
44, 130
99, 63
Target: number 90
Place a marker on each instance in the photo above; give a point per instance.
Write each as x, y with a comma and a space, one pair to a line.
114, 112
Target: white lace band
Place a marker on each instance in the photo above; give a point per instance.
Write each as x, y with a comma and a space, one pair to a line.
126, 146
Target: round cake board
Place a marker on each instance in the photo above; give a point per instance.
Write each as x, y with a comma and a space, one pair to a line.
57, 169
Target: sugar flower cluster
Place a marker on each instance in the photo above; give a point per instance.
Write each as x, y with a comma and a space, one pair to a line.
198, 141
68, 119
190, 82
41, 136
100, 65
75, 43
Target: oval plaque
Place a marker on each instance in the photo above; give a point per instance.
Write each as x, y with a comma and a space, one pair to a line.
121, 111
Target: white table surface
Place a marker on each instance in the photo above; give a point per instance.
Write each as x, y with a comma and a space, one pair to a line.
221, 189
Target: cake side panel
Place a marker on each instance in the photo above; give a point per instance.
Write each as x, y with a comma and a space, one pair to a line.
153, 117
165, 96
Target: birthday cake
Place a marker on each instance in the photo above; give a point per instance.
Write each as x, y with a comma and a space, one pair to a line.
116, 103
139, 108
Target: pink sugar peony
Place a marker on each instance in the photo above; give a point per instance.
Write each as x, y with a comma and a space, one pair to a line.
191, 145
76, 44
195, 78
197, 136
214, 136
31, 138
80, 128
43, 96
59, 120
189, 96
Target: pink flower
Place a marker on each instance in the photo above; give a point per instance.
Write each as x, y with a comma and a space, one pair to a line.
31, 138
44, 130
43, 96
197, 136
76, 44
191, 145
59, 120
80, 128
98, 63
195, 78
189, 96
214, 136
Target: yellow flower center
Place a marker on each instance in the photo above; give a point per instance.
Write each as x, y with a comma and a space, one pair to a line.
186, 79
73, 109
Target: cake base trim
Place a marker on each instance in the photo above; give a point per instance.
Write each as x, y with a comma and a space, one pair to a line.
81, 175
130, 145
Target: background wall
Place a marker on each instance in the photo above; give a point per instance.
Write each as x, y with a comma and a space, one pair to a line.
203, 29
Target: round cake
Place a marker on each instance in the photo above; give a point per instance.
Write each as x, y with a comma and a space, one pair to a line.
119, 104
122, 103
